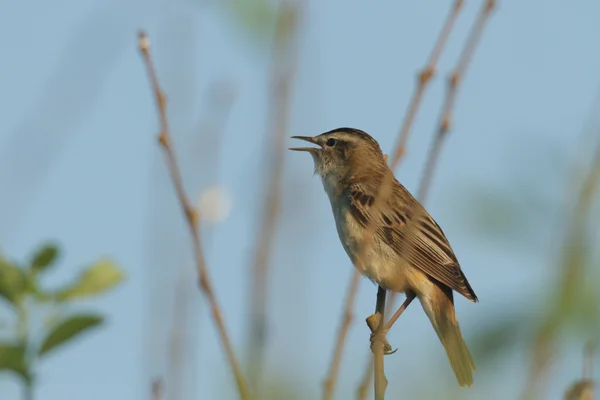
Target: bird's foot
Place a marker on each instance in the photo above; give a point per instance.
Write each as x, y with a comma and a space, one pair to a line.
373, 322
380, 337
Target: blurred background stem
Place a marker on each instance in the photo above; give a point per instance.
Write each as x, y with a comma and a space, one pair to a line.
573, 274
282, 76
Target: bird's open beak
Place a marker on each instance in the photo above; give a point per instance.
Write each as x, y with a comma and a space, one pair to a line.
306, 139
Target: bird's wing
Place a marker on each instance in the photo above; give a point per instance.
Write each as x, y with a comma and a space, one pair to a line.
404, 225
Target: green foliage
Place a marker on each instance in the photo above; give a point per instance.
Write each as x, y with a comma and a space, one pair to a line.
22, 288
44, 257
13, 358
12, 282
67, 330
97, 278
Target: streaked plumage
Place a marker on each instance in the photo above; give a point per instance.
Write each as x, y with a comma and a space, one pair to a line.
408, 251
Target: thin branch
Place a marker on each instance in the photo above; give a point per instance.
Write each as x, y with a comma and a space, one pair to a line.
422, 81
282, 76
453, 84
376, 322
424, 77
444, 126
448, 107
192, 217
378, 344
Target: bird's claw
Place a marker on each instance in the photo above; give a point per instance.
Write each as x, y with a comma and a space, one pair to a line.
390, 352
380, 337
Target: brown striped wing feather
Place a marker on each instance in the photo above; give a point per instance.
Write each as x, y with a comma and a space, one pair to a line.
404, 225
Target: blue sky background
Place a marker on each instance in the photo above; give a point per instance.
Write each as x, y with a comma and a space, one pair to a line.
79, 164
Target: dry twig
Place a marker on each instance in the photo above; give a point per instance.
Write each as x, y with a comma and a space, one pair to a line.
379, 344
453, 83
443, 129
282, 75
192, 217
448, 106
422, 80
378, 347
399, 150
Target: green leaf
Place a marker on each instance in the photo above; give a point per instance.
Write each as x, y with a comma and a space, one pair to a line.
95, 279
12, 358
67, 330
44, 257
12, 282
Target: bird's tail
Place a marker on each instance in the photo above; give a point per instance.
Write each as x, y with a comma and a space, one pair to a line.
443, 318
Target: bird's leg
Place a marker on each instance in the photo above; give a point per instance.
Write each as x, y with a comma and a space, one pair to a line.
376, 321
410, 296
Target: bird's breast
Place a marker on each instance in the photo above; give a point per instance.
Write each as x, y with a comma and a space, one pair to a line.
370, 255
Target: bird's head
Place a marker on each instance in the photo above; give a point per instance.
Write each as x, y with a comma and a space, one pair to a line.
343, 152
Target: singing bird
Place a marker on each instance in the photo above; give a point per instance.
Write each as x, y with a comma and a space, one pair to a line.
389, 236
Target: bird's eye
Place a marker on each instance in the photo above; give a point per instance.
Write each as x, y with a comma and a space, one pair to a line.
330, 142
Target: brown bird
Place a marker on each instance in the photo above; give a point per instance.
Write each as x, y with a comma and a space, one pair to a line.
389, 236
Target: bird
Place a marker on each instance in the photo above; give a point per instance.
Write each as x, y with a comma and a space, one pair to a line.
389, 236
